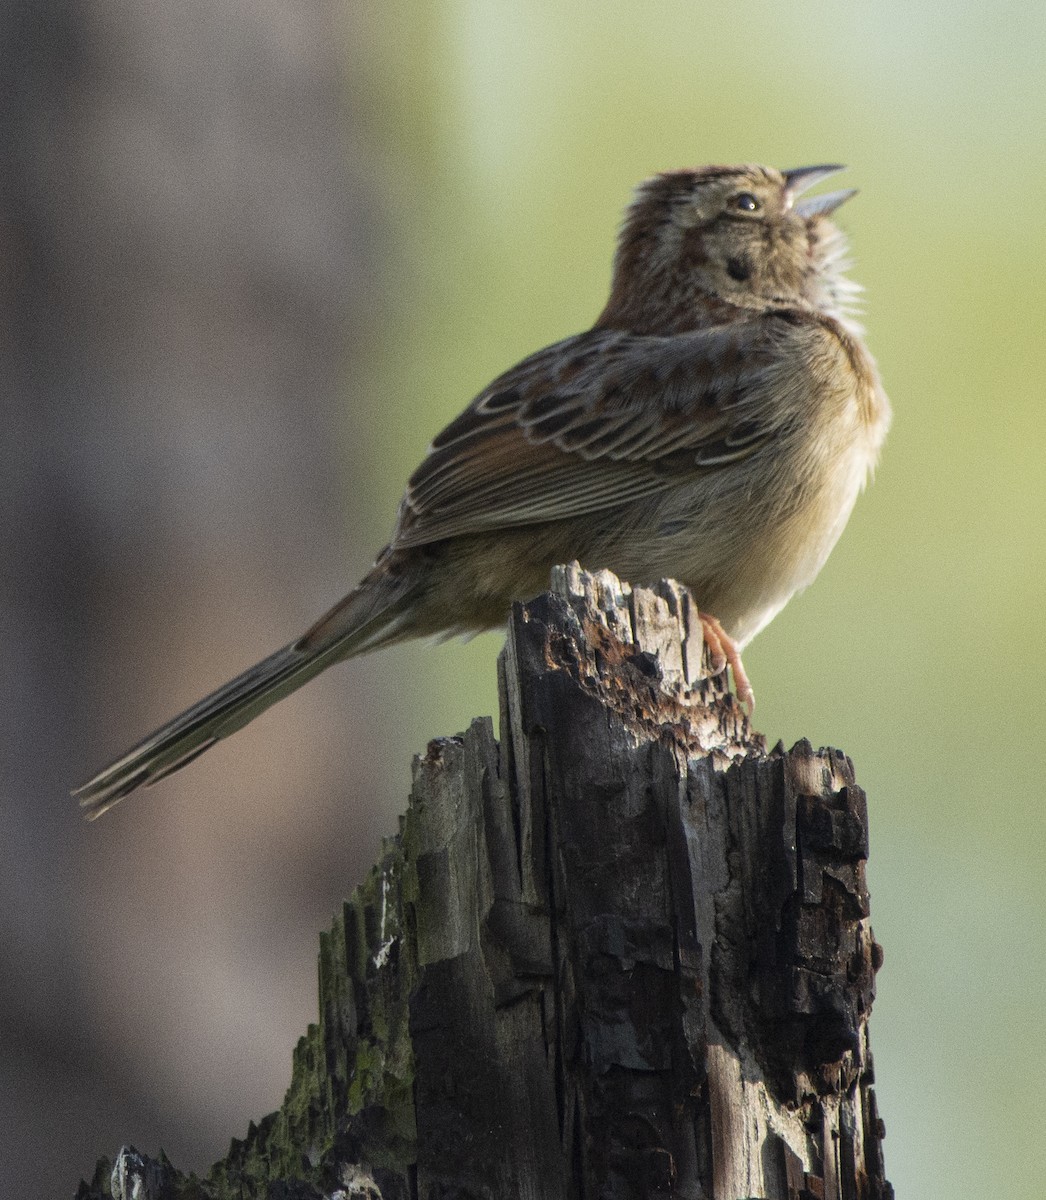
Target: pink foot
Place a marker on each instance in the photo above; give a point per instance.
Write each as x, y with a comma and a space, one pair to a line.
723, 651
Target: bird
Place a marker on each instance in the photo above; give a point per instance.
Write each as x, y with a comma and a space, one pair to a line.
715, 426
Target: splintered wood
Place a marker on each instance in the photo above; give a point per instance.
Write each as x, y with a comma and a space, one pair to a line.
623, 953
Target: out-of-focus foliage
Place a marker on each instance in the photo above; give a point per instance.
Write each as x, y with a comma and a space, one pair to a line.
514, 135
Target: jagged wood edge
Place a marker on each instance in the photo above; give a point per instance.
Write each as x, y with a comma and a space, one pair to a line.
357, 1120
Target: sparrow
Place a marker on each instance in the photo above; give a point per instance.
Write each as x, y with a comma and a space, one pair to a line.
714, 426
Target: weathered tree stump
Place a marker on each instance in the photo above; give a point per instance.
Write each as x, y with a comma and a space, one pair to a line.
624, 953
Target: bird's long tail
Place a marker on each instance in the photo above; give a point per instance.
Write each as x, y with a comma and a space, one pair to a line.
369, 617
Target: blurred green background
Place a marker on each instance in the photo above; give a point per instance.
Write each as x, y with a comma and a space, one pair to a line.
921, 649
491, 148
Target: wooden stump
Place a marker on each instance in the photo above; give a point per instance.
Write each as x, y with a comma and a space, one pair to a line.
624, 953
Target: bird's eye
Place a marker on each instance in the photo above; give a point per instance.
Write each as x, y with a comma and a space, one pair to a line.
746, 202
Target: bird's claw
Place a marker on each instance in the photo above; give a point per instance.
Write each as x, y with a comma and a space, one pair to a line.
723, 652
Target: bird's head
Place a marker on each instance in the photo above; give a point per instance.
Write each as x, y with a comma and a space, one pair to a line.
696, 240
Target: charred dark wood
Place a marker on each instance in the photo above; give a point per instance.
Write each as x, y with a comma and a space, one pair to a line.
624, 953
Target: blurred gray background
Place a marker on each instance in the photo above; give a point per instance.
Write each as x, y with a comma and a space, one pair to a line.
191, 257
252, 257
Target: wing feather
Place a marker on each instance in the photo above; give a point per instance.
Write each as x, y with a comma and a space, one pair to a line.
601, 419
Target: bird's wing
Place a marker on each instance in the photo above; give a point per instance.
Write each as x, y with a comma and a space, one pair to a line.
600, 419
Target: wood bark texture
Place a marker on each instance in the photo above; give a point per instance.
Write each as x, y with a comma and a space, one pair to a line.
624, 953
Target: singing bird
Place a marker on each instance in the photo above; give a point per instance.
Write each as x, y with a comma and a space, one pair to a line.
714, 426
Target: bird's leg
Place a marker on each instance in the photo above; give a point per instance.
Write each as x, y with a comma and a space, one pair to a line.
723, 651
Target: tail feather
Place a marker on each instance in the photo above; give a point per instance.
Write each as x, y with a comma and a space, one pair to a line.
360, 622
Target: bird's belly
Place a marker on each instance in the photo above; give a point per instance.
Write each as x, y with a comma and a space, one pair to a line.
745, 555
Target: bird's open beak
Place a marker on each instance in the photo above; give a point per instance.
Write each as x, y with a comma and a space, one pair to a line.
803, 178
